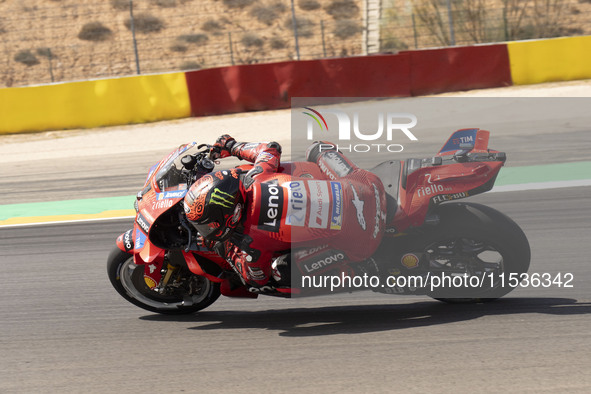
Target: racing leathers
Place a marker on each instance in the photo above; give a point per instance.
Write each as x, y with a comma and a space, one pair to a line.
314, 217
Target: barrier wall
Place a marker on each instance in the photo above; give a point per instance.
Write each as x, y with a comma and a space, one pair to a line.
270, 86
255, 87
557, 59
461, 68
88, 104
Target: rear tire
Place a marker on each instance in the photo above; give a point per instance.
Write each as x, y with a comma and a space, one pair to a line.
128, 280
481, 241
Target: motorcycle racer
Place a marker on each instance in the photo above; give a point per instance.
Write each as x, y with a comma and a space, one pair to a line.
262, 221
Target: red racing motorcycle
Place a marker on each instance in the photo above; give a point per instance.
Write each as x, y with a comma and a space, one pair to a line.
454, 252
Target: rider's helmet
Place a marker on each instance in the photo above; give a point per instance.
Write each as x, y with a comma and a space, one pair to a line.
214, 205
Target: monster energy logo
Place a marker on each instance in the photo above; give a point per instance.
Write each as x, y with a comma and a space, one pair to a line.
221, 198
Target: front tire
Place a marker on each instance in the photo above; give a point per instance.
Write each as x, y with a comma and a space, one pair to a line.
128, 280
476, 240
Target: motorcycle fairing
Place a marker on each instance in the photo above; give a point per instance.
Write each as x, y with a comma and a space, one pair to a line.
433, 185
126, 241
389, 173
136, 242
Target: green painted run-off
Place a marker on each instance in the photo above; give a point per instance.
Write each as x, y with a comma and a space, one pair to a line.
507, 176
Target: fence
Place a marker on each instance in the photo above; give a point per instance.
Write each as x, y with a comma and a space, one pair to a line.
85, 39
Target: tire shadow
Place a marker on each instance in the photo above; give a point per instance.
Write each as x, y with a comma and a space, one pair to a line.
334, 320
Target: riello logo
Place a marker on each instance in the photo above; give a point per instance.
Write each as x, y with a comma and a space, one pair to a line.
389, 125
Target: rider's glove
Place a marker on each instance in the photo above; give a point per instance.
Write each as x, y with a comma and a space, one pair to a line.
222, 147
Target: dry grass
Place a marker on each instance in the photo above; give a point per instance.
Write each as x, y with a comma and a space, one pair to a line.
95, 31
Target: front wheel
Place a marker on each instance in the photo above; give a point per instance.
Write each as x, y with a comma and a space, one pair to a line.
188, 294
478, 242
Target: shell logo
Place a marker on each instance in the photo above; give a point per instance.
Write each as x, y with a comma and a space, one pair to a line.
150, 282
410, 260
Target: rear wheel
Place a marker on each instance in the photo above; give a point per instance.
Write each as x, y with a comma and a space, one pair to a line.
474, 247
188, 293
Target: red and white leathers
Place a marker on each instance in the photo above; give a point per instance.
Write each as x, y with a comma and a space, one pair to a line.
326, 212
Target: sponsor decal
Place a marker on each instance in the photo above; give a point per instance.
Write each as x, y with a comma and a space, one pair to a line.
462, 140
297, 201
262, 289
151, 283
143, 223
336, 215
128, 240
271, 207
326, 170
172, 194
358, 204
325, 260
448, 197
319, 204
467, 136
256, 273
302, 254
410, 260
140, 239
223, 199
264, 157
147, 216
433, 188
338, 164
162, 204
250, 145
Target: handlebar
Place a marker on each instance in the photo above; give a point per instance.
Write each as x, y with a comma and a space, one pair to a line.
199, 163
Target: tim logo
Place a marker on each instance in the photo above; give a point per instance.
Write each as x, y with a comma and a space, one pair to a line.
463, 140
351, 126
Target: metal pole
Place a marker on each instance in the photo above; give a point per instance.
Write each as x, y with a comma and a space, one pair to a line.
137, 57
322, 32
505, 21
295, 30
231, 50
451, 24
414, 30
49, 58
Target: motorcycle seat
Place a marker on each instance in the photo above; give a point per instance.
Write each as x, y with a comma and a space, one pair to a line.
389, 174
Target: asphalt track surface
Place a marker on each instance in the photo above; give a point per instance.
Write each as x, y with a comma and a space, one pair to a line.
64, 329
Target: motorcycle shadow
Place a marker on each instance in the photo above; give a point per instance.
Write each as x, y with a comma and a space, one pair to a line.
333, 320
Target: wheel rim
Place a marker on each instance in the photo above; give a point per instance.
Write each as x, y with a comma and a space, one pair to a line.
129, 273
461, 256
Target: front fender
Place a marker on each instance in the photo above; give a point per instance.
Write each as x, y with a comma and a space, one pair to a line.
148, 255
